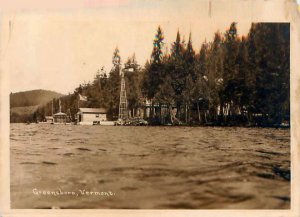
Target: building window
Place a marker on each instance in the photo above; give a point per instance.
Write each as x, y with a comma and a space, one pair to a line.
97, 115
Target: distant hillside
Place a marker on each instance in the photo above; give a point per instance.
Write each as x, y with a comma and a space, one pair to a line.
24, 105
32, 98
26, 110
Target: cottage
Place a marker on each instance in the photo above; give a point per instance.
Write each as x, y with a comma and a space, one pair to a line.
90, 116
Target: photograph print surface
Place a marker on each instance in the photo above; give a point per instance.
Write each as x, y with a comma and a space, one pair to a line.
120, 108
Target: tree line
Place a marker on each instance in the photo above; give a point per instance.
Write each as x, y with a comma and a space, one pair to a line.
232, 80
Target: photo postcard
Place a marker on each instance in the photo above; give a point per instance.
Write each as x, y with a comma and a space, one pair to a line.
150, 105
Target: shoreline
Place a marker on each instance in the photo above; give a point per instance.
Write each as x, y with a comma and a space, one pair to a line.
189, 125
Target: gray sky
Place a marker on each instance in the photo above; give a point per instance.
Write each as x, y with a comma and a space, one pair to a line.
59, 49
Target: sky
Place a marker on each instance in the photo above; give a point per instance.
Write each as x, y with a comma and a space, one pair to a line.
57, 49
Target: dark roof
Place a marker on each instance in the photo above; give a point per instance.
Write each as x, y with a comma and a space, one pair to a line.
93, 110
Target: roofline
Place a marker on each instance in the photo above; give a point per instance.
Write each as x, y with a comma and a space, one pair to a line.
93, 112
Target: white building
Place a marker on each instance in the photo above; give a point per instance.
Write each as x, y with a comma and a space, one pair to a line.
90, 116
49, 119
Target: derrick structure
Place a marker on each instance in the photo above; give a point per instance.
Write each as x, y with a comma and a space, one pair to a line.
123, 111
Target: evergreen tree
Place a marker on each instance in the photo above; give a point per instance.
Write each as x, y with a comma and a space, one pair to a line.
242, 91
133, 79
214, 75
190, 76
114, 82
231, 46
252, 73
178, 71
272, 72
158, 44
153, 74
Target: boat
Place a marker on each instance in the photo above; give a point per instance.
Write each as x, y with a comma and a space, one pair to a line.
107, 123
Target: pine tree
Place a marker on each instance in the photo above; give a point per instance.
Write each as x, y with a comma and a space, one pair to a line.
242, 91
272, 76
133, 79
214, 75
190, 58
190, 76
178, 71
158, 44
114, 82
153, 74
252, 71
231, 46
177, 48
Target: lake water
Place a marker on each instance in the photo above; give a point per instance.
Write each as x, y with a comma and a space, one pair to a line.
149, 167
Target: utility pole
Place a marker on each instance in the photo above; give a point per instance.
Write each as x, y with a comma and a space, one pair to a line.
52, 107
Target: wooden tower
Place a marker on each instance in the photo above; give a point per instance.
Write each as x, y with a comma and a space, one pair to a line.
123, 111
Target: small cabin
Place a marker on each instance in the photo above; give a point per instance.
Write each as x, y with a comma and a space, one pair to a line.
49, 119
60, 118
91, 116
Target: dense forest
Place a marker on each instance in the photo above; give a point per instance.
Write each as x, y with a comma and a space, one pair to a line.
232, 80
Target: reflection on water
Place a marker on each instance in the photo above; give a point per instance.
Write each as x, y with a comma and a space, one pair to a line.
150, 167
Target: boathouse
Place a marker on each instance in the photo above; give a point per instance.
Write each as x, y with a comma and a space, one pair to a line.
89, 116
60, 118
